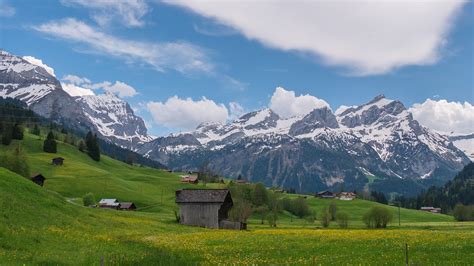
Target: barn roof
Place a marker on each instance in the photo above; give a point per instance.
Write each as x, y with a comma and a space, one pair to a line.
37, 175
126, 205
201, 195
111, 202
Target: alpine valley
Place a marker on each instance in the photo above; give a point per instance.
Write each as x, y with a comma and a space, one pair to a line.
378, 145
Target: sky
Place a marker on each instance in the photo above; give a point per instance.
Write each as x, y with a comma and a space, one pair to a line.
180, 63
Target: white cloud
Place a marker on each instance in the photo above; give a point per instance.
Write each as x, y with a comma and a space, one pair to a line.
366, 37
445, 116
180, 56
75, 90
6, 10
75, 79
77, 86
39, 62
128, 12
287, 104
236, 110
187, 113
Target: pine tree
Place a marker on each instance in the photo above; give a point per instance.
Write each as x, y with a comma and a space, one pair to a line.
81, 146
7, 135
92, 146
17, 132
36, 130
50, 144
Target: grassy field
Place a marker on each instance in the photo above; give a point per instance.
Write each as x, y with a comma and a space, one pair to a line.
40, 226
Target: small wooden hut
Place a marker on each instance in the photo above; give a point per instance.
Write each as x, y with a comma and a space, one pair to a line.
203, 207
127, 206
38, 179
58, 161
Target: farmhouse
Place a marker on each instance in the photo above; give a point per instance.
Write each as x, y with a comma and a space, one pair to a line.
325, 195
127, 206
205, 207
431, 209
346, 196
38, 179
189, 179
57, 161
109, 203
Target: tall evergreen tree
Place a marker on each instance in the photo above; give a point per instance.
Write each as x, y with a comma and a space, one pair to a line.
17, 132
50, 144
92, 144
36, 130
7, 134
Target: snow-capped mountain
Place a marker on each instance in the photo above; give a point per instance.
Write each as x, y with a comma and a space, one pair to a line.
378, 143
464, 142
109, 116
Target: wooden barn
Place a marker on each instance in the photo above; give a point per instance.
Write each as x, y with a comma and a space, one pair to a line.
326, 195
109, 203
204, 207
57, 161
38, 179
127, 206
189, 179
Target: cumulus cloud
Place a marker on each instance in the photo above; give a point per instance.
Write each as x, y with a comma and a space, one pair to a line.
445, 116
236, 110
80, 86
180, 56
39, 62
186, 113
366, 37
286, 104
128, 12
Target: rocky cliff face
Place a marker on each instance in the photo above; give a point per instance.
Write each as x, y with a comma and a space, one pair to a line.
109, 116
377, 144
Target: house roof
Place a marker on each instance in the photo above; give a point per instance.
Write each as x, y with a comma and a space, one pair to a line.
325, 192
58, 158
35, 175
109, 202
201, 195
126, 205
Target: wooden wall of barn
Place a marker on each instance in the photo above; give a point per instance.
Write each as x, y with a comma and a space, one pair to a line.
205, 215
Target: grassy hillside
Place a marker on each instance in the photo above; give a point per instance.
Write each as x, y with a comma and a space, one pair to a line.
40, 226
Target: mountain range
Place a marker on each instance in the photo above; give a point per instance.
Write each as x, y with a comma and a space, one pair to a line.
377, 145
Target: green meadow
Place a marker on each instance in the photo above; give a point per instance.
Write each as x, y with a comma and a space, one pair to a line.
48, 226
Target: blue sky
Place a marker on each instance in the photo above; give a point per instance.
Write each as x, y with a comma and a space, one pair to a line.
236, 56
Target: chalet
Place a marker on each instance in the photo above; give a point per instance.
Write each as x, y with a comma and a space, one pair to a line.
57, 161
109, 203
38, 179
206, 208
189, 179
127, 206
326, 195
346, 196
431, 209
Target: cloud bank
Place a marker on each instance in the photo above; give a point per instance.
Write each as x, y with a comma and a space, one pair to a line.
445, 116
80, 86
365, 37
286, 104
187, 113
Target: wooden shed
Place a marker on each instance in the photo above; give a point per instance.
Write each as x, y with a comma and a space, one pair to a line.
326, 195
127, 206
57, 161
203, 207
38, 179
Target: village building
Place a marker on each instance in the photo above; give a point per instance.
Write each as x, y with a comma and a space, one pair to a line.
57, 161
127, 206
431, 209
346, 196
206, 208
326, 195
242, 181
109, 203
189, 179
38, 179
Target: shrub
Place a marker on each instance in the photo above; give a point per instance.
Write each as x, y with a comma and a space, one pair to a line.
325, 218
17, 132
88, 199
377, 217
342, 219
241, 211
298, 207
463, 212
333, 210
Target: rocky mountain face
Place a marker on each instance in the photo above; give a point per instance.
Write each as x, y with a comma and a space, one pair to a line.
107, 115
377, 145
